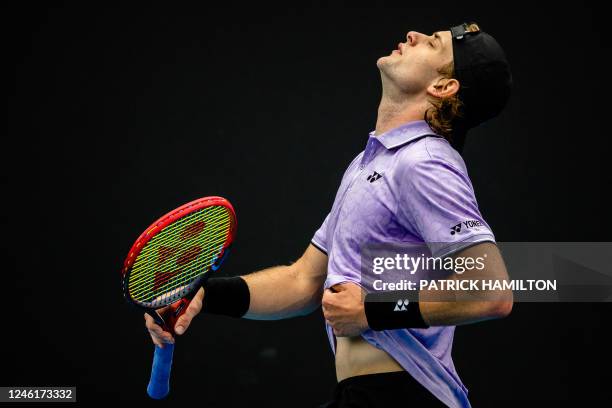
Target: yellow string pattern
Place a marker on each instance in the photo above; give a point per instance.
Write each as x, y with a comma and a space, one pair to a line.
178, 255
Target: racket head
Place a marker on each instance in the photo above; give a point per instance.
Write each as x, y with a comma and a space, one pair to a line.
174, 255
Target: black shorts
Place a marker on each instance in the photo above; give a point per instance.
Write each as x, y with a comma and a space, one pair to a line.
382, 390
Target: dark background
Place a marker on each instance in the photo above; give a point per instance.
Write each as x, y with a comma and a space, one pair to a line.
120, 115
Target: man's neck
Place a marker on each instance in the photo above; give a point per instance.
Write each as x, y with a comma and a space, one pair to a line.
395, 110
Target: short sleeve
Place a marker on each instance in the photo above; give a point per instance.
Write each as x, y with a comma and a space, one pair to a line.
436, 202
319, 239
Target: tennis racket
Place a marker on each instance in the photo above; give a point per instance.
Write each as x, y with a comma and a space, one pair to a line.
169, 262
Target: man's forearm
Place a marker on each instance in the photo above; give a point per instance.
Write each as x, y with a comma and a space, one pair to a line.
447, 306
464, 312
436, 308
274, 293
281, 292
470, 306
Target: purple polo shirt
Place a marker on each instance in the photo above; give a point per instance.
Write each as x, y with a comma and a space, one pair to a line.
408, 186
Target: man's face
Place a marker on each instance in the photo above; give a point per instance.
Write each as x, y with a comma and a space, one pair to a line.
414, 65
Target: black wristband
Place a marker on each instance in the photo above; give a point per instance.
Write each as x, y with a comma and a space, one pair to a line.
226, 296
395, 314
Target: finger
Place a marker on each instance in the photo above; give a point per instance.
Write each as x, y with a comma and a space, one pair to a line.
339, 287
327, 298
157, 342
152, 325
149, 319
329, 310
200, 294
184, 321
329, 291
157, 332
341, 332
163, 337
160, 341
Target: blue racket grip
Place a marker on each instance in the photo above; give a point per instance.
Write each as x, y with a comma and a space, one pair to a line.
159, 385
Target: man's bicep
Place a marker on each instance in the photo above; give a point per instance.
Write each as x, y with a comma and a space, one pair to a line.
313, 264
486, 260
486, 265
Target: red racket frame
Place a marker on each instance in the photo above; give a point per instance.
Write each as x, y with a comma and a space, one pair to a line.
186, 209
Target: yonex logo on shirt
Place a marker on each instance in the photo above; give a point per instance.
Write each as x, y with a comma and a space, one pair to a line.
401, 305
373, 177
468, 224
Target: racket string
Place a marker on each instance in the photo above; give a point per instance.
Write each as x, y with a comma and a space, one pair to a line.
170, 231
195, 240
141, 286
168, 236
153, 250
143, 270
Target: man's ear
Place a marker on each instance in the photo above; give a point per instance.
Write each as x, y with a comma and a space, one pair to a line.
443, 88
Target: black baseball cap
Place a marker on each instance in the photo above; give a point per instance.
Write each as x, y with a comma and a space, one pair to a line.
483, 72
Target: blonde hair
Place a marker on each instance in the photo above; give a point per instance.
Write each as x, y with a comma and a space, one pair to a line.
444, 111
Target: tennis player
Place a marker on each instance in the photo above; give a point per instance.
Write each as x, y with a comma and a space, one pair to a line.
409, 185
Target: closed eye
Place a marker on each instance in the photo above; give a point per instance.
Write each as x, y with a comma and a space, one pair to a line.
439, 39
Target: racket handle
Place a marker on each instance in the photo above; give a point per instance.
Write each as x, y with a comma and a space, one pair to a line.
159, 385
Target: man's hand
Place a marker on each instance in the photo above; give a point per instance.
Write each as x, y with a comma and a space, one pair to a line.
343, 309
159, 335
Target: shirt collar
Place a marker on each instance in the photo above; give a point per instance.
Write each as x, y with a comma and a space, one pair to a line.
404, 134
